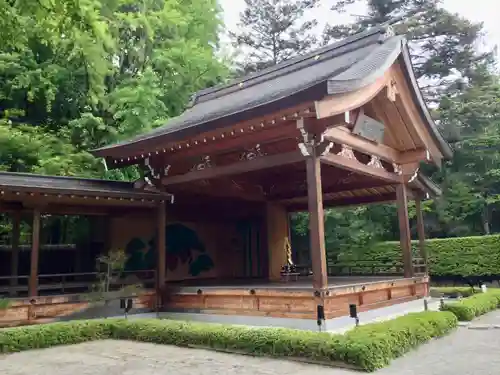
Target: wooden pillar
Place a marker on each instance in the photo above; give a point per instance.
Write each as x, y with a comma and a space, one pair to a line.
421, 234
78, 260
14, 257
316, 223
277, 232
35, 248
161, 250
404, 229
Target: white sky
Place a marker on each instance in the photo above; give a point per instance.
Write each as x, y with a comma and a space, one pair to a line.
485, 11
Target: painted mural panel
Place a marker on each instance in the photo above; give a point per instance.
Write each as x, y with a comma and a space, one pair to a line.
193, 250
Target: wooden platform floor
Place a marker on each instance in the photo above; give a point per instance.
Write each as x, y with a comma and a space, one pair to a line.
303, 283
292, 299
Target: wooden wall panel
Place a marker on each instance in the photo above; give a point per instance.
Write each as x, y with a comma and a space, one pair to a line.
48, 309
401, 292
292, 303
374, 297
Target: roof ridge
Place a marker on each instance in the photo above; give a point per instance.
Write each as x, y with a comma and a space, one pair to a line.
380, 29
76, 178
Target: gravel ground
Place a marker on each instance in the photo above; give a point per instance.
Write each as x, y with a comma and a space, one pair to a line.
464, 352
492, 318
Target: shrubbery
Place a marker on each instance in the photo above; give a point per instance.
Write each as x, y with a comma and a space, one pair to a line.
4, 303
456, 291
462, 256
476, 305
367, 347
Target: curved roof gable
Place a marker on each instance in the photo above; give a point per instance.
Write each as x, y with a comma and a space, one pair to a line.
338, 68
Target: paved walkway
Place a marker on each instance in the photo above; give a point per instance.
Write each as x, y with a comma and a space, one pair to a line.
464, 352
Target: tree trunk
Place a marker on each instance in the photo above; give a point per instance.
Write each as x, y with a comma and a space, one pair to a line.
486, 221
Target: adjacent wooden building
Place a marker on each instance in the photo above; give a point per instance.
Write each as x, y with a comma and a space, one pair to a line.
343, 125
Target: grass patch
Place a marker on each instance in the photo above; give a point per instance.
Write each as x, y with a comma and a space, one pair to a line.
368, 347
469, 308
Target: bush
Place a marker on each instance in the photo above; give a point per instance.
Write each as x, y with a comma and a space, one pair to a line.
462, 256
4, 303
373, 346
367, 347
474, 306
464, 291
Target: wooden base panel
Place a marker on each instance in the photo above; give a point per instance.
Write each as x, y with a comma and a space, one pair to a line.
52, 308
292, 303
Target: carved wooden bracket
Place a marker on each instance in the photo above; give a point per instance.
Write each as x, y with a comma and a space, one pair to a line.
346, 152
204, 164
375, 163
313, 144
397, 169
252, 153
153, 176
392, 90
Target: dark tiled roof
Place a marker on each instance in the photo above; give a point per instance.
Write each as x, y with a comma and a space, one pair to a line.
428, 186
72, 185
338, 68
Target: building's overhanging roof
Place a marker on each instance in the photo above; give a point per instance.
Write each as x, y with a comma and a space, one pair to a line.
342, 67
427, 186
422, 107
62, 185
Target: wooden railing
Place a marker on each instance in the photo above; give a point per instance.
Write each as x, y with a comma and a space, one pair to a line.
71, 282
372, 268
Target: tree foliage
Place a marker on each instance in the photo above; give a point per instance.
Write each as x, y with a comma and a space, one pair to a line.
272, 31
443, 45
76, 75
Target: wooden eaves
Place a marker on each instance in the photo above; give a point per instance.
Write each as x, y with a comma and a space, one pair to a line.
71, 195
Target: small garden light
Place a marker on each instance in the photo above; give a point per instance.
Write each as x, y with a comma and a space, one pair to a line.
353, 312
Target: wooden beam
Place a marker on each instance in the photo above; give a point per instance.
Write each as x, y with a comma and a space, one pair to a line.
238, 142
421, 234
35, 248
161, 251
404, 228
294, 198
224, 188
356, 166
262, 162
65, 208
14, 256
342, 135
336, 104
274, 118
316, 223
345, 202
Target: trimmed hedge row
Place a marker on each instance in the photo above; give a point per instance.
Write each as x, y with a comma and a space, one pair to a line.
367, 347
461, 256
464, 291
469, 308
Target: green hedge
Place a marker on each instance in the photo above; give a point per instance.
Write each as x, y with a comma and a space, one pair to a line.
461, 256
469, 308
464, 291
367, 347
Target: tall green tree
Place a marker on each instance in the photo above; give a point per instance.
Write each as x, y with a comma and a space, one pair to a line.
271, 31
91, 72
475, 113
443, 45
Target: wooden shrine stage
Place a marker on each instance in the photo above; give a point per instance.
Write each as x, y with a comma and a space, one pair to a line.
293, 299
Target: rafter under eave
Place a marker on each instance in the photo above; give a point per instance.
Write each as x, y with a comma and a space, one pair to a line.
342, 135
